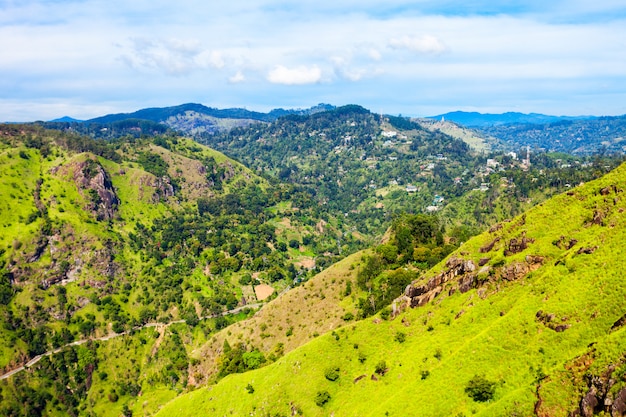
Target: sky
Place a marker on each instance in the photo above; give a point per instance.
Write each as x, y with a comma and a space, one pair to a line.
88, 58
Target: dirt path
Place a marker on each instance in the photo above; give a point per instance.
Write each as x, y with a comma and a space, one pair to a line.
114, 335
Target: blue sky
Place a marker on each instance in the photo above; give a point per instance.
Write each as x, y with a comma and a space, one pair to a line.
86, 58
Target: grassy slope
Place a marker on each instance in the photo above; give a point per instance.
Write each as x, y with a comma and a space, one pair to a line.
311, 309
492, 331
472, 138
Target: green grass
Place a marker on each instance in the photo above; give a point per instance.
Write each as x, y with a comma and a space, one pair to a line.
492, 331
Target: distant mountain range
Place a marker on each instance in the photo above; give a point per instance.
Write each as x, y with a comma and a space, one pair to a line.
161, 114
475, 119
511, 130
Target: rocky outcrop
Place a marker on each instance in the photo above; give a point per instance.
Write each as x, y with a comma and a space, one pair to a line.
163, 189
619, 323
517, 270
462, 275
552, 322
424, 293
565, 243
600, 397
95, 185
489, 246
587, 251
517, 245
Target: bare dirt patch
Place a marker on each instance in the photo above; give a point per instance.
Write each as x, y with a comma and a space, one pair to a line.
308, 263
263, 291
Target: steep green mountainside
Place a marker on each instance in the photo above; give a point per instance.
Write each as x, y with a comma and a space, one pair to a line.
525, 319
156, 237
581, 137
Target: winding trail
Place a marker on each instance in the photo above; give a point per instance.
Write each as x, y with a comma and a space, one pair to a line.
114, 335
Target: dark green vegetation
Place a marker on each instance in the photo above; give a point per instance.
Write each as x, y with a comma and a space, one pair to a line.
524, 319
582, 137
191, 119
371, 167
105, 237
483, 120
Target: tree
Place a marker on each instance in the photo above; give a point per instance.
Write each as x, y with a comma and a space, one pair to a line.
6, 290
480, 389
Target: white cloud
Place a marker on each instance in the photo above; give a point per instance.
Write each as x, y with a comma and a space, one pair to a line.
158, 52
210, 59
426, 44
375, 54
295, 76
237, 78
172, 56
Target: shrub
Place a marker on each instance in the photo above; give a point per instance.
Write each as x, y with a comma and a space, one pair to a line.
480, 389
113, 397
250, 389
332, 374
322, 398
400, 337
381, 368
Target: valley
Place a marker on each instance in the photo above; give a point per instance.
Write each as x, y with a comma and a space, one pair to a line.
309, 262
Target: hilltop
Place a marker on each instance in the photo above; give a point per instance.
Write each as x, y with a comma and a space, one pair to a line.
190, 119
524, 319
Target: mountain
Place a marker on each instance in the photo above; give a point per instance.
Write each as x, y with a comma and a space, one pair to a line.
154, 243
602, 135
524, 319
66, 119
133, 268
193, 119
372, 168
475, 119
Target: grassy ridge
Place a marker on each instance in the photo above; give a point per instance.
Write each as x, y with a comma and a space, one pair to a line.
504, 330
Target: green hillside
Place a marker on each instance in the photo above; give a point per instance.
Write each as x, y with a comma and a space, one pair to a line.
525, 319
118, 239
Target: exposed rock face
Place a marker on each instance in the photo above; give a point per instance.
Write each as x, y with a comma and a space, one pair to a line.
600, 398
462, 275
619, 323
163, 189
519, 270
483, 261
598, 218
589, 403
95, 185
489, 246
517, 245
587, 251
422, 294
550, 321
618, 408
